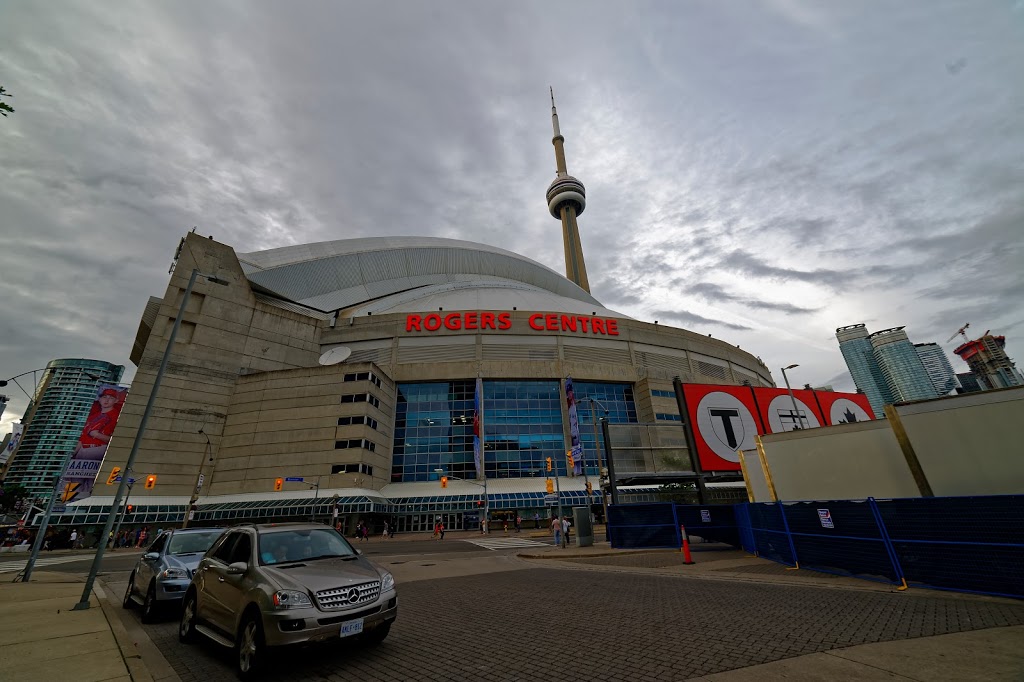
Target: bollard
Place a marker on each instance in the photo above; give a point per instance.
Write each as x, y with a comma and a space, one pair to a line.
687, 559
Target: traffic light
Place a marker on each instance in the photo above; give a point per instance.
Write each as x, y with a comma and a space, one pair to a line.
444, 481
568, 455
129, 508
549, 463
113, 475
550, 486
150, 481
278, 484
479, 503
590, 488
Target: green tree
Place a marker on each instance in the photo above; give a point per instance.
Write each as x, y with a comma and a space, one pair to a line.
684, 493
5, 108
10, 495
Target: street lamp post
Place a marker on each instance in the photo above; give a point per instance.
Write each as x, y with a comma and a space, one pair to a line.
83, 604
487, 501
597, 451
796, 411
199, 479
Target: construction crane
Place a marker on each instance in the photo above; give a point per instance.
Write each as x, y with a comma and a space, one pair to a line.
962, 331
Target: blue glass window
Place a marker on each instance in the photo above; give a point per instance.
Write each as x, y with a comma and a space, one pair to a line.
617, 399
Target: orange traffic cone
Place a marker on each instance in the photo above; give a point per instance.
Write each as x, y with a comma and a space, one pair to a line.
687, 559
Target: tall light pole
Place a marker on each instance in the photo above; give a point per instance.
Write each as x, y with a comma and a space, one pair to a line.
796, 410
83, 603
487, 502
597, 451
199, 478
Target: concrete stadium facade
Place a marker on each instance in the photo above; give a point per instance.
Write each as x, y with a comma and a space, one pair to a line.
244, 400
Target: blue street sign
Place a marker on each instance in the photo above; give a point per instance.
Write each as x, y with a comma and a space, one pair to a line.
117, 479
131, 480
294, 479
58, 509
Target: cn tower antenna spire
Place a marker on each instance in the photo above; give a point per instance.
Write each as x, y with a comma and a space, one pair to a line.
566, 199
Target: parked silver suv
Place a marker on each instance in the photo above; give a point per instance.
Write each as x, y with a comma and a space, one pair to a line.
262, 586
164, 572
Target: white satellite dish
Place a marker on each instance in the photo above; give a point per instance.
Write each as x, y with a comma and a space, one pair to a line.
335, 355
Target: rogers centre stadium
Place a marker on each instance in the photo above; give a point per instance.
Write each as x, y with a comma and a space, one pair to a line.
340, 378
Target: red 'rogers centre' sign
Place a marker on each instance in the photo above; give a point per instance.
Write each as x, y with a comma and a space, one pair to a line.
551, 322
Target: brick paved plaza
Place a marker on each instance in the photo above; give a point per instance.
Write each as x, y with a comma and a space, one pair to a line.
563, 624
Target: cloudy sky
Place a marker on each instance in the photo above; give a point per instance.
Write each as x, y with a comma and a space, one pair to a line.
760, 170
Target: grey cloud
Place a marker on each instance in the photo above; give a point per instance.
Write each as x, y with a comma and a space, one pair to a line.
770, 142
689, 320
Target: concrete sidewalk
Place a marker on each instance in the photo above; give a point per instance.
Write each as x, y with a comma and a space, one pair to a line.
44, 640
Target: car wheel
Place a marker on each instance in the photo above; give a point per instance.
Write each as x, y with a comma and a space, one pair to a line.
128, 602
187, 626
250, 647
378, 634
150, 606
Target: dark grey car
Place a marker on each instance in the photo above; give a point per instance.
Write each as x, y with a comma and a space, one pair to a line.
164, 572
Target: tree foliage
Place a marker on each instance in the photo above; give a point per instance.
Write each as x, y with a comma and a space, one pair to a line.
10, 496
4, 107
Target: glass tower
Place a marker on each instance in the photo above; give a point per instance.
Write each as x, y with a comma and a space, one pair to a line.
860, 360
936, 363
904, 373
55, 418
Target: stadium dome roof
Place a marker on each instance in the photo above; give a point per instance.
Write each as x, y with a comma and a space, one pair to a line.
412, 274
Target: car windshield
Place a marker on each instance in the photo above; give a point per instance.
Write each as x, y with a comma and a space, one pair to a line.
287, 546
190, 543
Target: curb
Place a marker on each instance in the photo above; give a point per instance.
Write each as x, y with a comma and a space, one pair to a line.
564, 557
139, 652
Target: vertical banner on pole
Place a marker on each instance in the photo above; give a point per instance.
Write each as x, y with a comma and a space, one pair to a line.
574, 429
478, 436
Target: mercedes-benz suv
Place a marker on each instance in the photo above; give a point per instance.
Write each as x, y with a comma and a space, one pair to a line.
270, 585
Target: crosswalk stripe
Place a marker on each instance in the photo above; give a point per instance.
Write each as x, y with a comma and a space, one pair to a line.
10, 566
504, 543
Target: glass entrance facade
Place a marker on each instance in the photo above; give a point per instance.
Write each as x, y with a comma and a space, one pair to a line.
522, 425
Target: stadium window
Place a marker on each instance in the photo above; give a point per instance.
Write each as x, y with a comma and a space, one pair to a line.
667, 417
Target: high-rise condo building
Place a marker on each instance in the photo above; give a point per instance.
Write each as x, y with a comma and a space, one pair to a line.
54, 420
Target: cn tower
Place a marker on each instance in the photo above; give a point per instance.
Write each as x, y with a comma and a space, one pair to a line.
566, 199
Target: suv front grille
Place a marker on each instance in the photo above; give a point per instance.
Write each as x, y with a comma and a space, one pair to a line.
346, 597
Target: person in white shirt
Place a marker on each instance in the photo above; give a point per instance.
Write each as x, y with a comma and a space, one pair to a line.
565, 530
74, 539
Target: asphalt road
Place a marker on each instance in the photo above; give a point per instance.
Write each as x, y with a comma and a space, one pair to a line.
123, 560
517, 620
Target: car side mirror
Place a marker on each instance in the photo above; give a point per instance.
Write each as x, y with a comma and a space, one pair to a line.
359, 551
237, 568
151, 556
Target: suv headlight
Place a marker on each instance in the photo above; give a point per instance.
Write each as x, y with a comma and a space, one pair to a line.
173, 573
291, 599
387, 582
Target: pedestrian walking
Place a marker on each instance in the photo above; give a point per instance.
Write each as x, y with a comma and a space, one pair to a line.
505, 524
441, 525
565, 530
519, 523
536, 520
74, 538
556, 528
483, 527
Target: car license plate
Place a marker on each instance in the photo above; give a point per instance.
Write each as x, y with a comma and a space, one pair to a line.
351, 627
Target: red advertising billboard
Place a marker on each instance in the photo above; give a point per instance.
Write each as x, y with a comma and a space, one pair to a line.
724, 421
726, 418
782, 412
844, 408
92, 444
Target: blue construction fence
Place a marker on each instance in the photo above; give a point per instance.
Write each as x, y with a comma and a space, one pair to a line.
966, 544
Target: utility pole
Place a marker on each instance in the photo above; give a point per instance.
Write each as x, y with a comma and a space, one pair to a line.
97, 561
